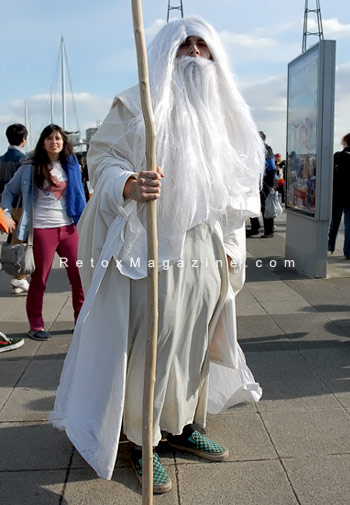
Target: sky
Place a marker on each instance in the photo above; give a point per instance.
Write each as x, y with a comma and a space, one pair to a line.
260, 36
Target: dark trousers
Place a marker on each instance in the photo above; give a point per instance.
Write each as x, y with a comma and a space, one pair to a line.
268, 223
337, 212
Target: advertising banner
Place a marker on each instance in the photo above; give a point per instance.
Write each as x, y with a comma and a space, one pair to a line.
302, 128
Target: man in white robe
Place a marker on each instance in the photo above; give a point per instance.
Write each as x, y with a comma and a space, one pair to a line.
211, 159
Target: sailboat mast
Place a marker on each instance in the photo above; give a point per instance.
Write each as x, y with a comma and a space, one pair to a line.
63, 76
51, 104
25, 114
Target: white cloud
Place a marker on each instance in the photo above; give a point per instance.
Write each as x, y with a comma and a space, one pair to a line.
268, 101
90, 109
331, 28
247, 41
342, 103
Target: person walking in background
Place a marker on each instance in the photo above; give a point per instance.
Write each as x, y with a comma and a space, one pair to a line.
341, 197
50, 184
9, 162
281, 183
84, 174
6, 343
268, 185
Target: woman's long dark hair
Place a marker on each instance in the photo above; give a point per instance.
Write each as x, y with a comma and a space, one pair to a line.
41, 160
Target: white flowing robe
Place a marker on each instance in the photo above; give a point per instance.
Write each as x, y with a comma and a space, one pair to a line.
90, 398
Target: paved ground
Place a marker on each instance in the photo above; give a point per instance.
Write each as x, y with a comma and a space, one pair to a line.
293, 447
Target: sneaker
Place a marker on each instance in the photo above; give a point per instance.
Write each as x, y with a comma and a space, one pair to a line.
161, 480
267, 235
9, 344
19, 286
250, 233
198, 444
17, 291
39, 334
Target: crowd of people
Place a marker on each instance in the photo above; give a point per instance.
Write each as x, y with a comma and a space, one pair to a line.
273, 180
215, 171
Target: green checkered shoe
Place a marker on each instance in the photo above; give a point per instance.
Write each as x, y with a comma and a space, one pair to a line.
198, 444
161, 480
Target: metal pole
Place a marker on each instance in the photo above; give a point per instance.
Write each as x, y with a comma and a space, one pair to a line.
63, 82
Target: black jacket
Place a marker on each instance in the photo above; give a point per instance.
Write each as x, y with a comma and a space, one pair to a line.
341, 178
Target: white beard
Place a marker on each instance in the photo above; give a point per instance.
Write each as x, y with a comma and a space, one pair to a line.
199, 149
192, 143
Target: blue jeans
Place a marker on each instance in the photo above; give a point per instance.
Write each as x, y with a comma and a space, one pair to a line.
337, 212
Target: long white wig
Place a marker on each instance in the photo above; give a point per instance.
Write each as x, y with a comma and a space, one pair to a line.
207, 143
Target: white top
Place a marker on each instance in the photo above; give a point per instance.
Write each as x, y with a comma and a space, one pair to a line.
50, 209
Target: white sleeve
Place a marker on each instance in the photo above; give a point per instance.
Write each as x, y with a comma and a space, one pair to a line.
109, 160
235, 248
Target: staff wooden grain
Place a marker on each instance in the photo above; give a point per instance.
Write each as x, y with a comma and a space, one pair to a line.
152, 255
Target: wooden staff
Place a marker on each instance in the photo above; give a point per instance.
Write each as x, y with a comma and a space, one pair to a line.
152, 256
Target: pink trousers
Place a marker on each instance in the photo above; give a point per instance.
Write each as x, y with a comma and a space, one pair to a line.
46, 242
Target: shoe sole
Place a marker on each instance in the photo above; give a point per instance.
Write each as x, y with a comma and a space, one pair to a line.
157, 488
221, 456
12, 347
40, 339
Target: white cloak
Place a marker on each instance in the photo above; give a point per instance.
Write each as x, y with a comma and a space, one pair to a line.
90, 397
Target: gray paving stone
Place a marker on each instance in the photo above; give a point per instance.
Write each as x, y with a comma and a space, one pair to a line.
258, 272
85, 488
228, 483
309, 433
310, 330
273, 291
307, 322
320, 481
341, 389
276, 363
5, 393
247, 304
123, 459
329, 362
57, 347
13, 328
42, 373
29, 404
342, 284
243, 434
32, 488
8, 304
293, 392
28, 446
254, 326
53, 303
317, 291
241, 408
165, 453
17, 310
11, 371
339, 318
257, 333
287, 307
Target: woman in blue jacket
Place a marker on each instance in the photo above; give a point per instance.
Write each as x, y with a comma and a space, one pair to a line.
53, 200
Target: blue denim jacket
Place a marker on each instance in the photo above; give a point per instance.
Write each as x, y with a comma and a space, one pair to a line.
21, 184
